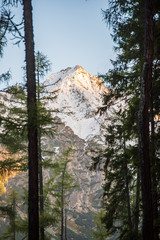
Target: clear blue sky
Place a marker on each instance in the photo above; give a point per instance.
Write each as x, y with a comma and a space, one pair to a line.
69, 32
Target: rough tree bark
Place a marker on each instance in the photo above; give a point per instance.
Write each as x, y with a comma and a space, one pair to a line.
136, 212
144, 123
33, 216
154, 173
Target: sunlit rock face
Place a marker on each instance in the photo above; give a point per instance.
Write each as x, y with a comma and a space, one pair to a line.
78, 96
75, 97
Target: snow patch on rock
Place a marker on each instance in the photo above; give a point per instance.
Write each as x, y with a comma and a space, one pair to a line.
77, 96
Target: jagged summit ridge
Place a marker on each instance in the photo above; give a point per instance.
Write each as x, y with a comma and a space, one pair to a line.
78, 97
75, 75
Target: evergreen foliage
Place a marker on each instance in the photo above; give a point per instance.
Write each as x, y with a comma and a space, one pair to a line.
122, 192
123, 196
100, 232
59, 187
13, 136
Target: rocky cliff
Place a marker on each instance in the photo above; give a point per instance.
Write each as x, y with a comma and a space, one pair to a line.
77, 96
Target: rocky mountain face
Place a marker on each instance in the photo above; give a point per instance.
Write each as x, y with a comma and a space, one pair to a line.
78, 97
75, 97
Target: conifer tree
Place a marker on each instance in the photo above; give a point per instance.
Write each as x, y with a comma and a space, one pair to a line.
34, 119
33, 214
121, 158
42, 66
120, 167
124, 82
59, 186
15, 131
100, 232
10, 211
144, 122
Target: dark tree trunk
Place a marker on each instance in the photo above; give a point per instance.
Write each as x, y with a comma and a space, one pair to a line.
65, 225
62, 203
154, 174
13, 218
41, 200
33, 216
128, 196
128, 199
62, 214
136, 213
144, 124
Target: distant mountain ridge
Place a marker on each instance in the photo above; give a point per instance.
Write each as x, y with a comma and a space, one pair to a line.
79, 95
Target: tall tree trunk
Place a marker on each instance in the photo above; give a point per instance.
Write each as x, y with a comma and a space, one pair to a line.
130, 229
65, 225
144, 124
13, 218
62, 213
136, 213
41, 200
62, 207
128, 204
33, 216
62, 203
154, 173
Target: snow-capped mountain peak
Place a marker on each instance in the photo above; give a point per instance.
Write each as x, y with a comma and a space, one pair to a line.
74, 75
79, 94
